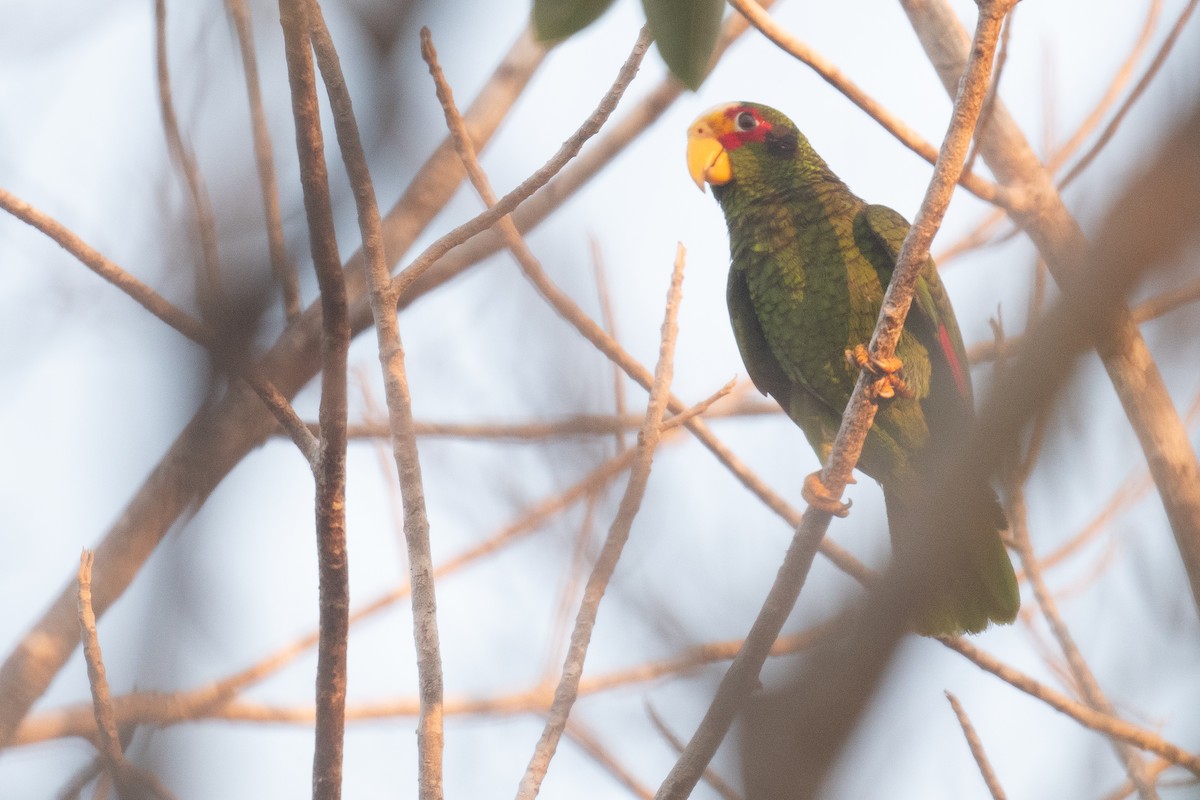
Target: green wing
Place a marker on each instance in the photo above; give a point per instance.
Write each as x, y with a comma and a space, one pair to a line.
880, 231
764, 369
817, 419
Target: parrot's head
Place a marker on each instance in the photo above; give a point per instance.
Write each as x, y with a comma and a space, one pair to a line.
745, 144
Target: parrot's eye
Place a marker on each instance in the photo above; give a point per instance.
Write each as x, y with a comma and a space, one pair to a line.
746, 121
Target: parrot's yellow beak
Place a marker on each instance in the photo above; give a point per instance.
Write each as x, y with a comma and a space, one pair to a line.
706, 157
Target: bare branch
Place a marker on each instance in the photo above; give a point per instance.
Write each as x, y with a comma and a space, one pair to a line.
282, 266
575, 425
610, 553
153, 708
208, 271
130, 781
159, 306
1090, 718
505, 205
1152, 70
141, 293
591, 745
1081, 674
985, 767
610, 325
1119, 80
106, 724
719, 785
330, 469
404, 444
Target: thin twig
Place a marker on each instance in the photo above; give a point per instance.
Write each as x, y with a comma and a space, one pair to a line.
330, 470
162, 709
573, 426
153, 708
282, 266
719, 784
984, 229
1081, 674
1088, 717
590, 744
560, 627
1139, 88
128, 779
1167, 302
1153, 770
973, 741
208, 271
376, 419
610, 553
1112, 93
91, 258
1158, 306
610, 326
505, 205
106, 723
1131, 490
175, 317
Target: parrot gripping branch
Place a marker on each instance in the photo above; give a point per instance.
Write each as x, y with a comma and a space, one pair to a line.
742, 676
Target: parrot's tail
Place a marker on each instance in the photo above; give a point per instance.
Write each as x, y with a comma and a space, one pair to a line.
969, 588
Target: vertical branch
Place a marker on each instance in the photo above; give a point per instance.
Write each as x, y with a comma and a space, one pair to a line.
331, 465
399, 402
648, 438
208, 271
281, 265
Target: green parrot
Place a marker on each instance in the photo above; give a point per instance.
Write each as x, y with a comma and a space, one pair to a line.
810, 262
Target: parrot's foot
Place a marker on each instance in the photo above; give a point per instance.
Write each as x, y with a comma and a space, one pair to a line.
817, 496
888, 382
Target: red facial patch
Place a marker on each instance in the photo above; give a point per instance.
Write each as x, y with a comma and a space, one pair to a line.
736, 138
960, 377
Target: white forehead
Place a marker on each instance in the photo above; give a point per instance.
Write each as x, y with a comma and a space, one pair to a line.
720, 108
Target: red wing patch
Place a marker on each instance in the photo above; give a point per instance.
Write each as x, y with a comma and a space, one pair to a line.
956, 367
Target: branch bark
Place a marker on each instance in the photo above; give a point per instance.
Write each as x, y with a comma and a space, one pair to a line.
330, 466
400, 422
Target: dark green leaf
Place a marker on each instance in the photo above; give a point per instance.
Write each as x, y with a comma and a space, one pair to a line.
557, 19
686, 32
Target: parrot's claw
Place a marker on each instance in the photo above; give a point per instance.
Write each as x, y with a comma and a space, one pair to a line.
817, 496
888, 383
